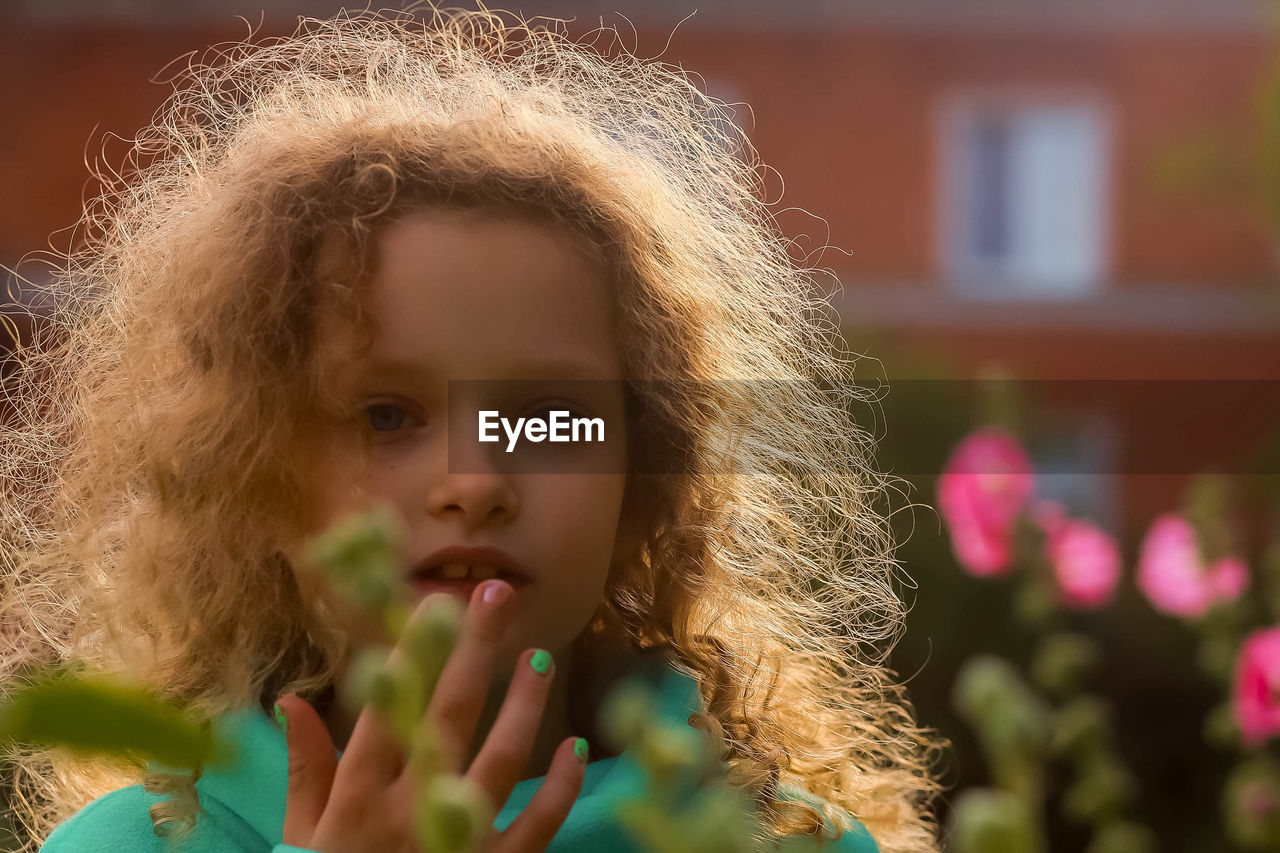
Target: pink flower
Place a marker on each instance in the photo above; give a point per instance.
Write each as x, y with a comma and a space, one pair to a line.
1086, 564
987, 481
1050, 515
1175, 579
1257, 688
1227, 578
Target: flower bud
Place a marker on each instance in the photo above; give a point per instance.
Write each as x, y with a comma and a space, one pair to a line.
451, 815
431, 637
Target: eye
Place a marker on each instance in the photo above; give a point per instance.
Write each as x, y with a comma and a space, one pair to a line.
386, 417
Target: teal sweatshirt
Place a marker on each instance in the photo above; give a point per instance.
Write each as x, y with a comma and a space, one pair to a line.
244, 804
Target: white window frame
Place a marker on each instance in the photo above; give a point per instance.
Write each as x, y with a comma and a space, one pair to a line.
972, 276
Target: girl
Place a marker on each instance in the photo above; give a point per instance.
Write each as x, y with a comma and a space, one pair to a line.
317, 234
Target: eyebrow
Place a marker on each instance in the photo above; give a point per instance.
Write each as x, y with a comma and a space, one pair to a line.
552, 367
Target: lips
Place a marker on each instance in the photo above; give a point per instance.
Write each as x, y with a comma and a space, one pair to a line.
470, 565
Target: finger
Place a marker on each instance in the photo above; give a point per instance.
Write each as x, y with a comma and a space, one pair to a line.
375, 757
312, 765
500, 763
463, 687
534, 828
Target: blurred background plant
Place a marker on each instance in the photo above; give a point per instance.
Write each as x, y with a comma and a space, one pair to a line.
1045, 724
1025, 722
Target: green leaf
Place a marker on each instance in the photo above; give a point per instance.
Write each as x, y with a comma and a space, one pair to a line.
95, 715
991, 821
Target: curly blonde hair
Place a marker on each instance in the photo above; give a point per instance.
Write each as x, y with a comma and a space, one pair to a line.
153, 478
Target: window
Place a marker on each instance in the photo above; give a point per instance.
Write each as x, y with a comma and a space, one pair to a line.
1024, 196
1076, 455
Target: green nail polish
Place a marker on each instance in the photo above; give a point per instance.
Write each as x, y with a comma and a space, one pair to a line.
540, 661
580, 749
281, 720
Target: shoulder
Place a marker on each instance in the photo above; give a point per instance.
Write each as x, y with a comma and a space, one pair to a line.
120, 822
115, 821
855, 839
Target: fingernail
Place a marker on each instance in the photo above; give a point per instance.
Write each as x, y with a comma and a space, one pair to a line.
282, 720
540, 661
496, 593
580, 749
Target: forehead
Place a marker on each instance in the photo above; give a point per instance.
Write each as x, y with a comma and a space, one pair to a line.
479, 294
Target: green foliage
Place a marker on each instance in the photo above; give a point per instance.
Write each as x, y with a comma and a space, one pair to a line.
1011, 721
1020, 730
1035, 602
1251, 802
715, 820
1102, 788
1082, 727
360, 557
431, 639
1061, 661
1207, 509
685, 805
1123, 836
96, 715
986, 820
451, 813
1217, 655
1220, 727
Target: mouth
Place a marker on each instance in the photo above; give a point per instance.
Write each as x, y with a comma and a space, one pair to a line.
467, 573
463, 587
469, 566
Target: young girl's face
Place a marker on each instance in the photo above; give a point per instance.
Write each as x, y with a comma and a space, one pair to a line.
484, 296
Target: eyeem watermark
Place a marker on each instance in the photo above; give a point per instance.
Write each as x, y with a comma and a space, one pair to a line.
1088, 429
559, 428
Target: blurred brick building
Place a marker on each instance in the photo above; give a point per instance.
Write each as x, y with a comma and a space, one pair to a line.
1071, 187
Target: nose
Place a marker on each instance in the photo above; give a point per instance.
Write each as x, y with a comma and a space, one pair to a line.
474, 489
479, 499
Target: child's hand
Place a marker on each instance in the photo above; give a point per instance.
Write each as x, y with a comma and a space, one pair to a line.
364, 803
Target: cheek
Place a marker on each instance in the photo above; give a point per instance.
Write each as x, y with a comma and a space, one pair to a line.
339, 485
337, 488
579, 515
